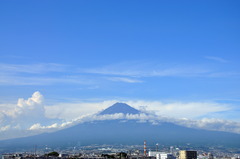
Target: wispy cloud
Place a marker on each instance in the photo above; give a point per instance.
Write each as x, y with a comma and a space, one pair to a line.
149, 70
44, 80
218, 59
141, 71
127, 72
124, 79
32, 68
37, 74
51, 73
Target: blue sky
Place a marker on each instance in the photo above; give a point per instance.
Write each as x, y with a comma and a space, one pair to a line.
95, 51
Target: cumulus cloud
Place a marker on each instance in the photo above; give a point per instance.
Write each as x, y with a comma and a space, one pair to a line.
27, 111
36, 98
32, 106
23, 114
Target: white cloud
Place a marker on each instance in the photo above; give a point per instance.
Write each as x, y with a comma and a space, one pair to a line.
182, 113
24, 113
32, 68
42, 80
192, 110
38, 126
211, 124
39, 74
35, 126
218, 59
32, 116
205, 123
31, 109
180, 109
124, 79
36, 98
5, 128
94, 117
128, 72
139, 69
69, 111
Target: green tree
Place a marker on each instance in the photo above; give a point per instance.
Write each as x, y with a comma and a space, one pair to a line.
108, 156
53, 154
122, 155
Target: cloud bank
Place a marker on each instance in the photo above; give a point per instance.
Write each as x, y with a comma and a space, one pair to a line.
32, 116
205, 123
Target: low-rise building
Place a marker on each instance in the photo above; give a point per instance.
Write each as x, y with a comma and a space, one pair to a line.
161, 155
183, 154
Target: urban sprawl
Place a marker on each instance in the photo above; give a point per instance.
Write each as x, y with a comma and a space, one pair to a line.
126, 152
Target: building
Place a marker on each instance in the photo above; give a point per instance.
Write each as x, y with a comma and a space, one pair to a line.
183, 154
12, 156
161, 155
165, 156
153, 153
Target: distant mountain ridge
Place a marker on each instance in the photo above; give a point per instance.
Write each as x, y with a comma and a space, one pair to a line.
120, 108
122, 131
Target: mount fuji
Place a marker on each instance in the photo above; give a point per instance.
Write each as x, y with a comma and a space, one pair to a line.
125, 130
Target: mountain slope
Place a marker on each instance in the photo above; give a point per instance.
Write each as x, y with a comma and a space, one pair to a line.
124, 132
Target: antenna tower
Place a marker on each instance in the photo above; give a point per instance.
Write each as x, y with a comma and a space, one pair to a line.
145, 148
157, 147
